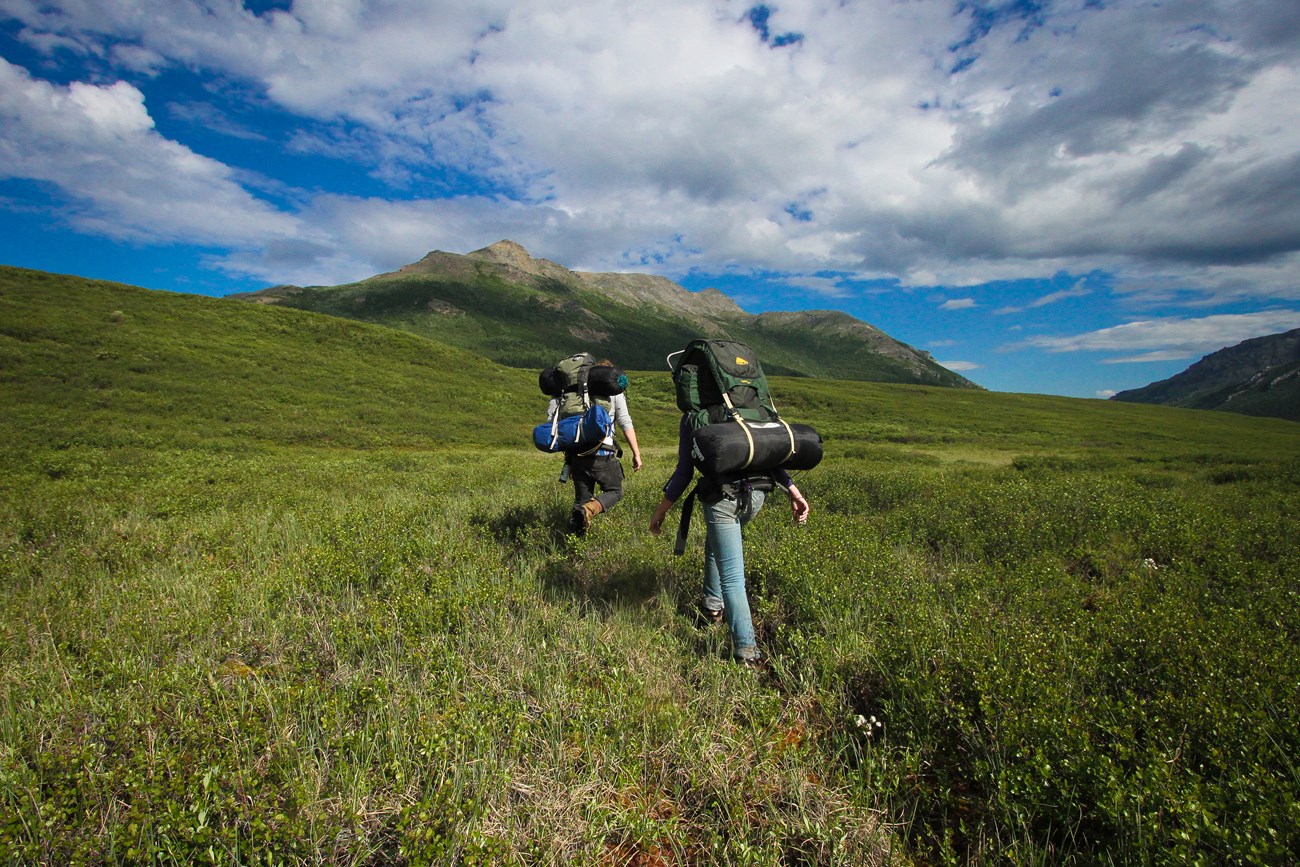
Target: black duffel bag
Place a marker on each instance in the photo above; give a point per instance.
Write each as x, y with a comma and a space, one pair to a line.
731, 447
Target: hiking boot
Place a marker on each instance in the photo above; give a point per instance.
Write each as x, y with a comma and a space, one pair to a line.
750, 657
580, 518
712, 615
590, 509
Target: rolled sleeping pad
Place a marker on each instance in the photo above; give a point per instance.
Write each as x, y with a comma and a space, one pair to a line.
605, 380
725, 447
551, 382
602, 381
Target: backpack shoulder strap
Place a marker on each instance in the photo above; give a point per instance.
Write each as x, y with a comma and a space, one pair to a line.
684, 523
583, 373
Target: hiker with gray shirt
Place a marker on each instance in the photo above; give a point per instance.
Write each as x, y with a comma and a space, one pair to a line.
600, 469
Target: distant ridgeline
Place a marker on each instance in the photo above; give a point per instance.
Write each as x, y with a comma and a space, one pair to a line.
1260, 376
501, 303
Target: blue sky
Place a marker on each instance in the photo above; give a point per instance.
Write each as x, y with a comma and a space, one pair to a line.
1057, 197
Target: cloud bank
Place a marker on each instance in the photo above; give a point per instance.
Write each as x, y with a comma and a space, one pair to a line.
124, 180
1173, 338
928, 143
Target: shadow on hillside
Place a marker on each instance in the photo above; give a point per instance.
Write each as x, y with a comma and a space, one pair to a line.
574, 568
585, 581
520, 529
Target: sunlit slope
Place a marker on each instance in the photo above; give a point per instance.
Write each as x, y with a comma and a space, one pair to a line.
503, 304
93, 363
113, 365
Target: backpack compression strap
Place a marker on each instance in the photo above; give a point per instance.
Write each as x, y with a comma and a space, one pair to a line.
684, 524
749, 437
582, 385
735, 416
555, 424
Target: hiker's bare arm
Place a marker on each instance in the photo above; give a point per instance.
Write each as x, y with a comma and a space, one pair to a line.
798, 505
661, 511
629, 433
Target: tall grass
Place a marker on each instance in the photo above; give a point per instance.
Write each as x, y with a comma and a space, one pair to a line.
1017, 629
357, 659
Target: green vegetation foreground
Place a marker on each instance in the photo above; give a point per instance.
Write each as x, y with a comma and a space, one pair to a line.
275, 591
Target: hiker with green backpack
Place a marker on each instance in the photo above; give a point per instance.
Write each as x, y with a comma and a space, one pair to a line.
730, 431
587, 407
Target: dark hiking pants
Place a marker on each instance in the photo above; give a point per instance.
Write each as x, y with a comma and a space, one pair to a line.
603, 471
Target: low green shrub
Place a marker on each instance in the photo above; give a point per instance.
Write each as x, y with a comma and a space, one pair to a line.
277, 589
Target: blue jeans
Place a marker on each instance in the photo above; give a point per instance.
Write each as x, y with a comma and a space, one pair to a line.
724, 568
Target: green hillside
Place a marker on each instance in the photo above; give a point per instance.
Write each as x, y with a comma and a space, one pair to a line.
502, 304
1275, 394
99, 363
287, 588
513, 323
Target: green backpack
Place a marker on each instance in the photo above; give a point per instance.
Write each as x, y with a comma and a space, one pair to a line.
718, 380
737, 437
568, 382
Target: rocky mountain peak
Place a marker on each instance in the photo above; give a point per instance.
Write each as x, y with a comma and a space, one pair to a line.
505, 252
516, 263
502, 302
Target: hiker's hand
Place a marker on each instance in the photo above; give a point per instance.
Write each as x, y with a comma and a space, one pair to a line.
661, 511
636, 461
799, 506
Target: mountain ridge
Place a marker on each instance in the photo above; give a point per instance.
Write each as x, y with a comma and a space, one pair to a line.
523, 311
1260, 376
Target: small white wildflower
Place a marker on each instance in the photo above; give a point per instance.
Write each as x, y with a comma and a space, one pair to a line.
871, 724
1150, 564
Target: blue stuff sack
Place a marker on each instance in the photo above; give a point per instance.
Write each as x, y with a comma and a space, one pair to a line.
576, 433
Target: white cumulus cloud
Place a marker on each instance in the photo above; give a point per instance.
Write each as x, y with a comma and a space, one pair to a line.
960, 366
933, 142
99, 145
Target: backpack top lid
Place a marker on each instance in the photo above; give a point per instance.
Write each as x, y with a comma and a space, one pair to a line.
566, 375
579, 381
709, 374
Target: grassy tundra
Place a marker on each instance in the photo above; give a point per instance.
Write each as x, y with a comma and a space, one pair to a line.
286, 589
